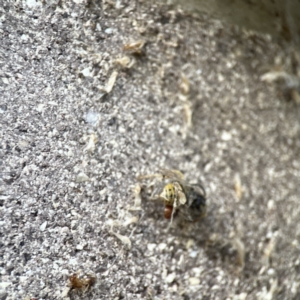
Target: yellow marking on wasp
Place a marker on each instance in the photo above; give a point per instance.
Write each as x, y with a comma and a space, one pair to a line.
168, 194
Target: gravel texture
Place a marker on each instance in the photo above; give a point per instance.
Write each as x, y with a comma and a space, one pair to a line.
76, 128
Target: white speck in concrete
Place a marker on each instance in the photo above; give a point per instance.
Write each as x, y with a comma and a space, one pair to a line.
108, 30
194, 281
43, 226
81, 177
151, 247
91, 118
33, 3
170, 278
87, 72
226, 136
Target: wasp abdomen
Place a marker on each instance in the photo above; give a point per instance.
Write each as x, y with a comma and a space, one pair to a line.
168, 211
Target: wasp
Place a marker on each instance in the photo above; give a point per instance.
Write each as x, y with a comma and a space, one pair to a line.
181, 199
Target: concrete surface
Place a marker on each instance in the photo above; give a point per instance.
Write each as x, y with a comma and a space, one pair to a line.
73, 141
279, 18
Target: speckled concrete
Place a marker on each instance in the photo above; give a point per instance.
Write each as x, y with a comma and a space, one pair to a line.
72, 145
